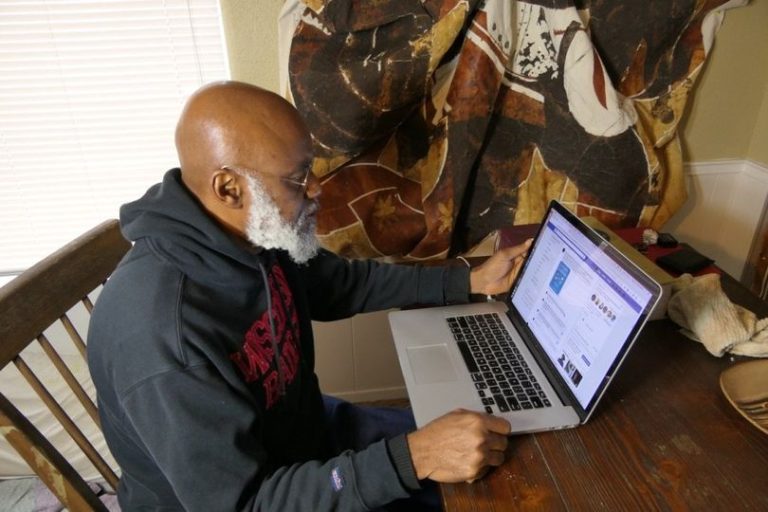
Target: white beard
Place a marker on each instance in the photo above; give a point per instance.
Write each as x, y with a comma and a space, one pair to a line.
266, 227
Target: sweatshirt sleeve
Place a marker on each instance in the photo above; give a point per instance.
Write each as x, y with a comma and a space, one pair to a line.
207, 442
339, 288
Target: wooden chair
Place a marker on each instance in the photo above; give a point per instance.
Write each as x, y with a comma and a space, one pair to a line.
30, 304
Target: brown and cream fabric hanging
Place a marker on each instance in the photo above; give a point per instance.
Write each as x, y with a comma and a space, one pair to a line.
436, 122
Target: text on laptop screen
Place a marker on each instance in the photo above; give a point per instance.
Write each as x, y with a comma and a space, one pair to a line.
579, 303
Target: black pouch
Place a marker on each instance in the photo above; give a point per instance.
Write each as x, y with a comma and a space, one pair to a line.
686, 260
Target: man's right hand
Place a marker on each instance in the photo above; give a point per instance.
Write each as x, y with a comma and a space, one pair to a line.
458, 447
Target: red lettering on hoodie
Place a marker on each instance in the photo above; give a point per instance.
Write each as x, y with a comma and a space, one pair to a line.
256, 358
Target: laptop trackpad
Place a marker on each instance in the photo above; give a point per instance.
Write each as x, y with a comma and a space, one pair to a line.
431, 364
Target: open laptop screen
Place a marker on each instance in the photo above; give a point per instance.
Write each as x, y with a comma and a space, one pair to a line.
579, 302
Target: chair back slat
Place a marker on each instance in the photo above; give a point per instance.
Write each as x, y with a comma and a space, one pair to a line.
70, 379
69, 425
53, 469
39, 296
87, 303
73, 334
29, 305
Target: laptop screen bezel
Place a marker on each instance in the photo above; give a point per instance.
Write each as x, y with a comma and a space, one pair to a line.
535, 347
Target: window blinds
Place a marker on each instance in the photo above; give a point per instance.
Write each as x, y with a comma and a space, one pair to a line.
90, 92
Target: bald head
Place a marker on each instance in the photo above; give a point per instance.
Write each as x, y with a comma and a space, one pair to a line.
246, 129
232, 123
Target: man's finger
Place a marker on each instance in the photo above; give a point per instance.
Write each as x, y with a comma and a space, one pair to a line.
479, 475
497, 425
497, 442
495, 458
517, 250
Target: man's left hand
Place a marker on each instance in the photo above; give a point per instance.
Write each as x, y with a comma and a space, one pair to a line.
498, 272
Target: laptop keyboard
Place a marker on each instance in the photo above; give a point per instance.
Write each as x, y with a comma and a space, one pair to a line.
502, 378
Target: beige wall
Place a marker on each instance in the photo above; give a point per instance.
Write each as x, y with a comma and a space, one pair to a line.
728, 117
250, 28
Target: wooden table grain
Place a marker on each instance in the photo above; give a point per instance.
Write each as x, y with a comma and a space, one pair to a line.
663, 438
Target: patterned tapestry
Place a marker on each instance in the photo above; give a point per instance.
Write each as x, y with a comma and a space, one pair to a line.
435, 122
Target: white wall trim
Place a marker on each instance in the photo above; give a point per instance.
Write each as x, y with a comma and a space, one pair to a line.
753, 169
371, 395
726, 201
714, 167
756, 170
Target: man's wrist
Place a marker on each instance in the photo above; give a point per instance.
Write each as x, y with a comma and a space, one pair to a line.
456, 285
400, 454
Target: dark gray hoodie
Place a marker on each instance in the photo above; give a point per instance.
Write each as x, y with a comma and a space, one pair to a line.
201, 350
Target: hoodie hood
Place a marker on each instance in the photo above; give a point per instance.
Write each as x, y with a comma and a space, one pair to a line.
178, 229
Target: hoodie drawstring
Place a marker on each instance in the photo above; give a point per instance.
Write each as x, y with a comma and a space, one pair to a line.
273, 336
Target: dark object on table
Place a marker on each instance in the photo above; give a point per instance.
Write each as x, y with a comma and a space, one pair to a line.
686, 260
666, 240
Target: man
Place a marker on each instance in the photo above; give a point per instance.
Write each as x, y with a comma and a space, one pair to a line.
201, 345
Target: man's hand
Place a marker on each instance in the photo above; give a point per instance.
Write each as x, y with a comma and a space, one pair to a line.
458, 447
497, 273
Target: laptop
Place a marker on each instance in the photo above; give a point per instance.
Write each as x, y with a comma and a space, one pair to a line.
544, 357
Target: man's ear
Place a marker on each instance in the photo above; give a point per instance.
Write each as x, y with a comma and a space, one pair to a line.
228, 188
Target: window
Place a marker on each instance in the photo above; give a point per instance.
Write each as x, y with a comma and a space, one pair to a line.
90, 92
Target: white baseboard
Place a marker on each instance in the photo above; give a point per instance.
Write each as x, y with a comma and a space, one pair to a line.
371, 395
756, 170
751, 168
714, 167
724, 210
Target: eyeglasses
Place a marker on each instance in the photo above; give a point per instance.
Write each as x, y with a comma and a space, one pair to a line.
300, 185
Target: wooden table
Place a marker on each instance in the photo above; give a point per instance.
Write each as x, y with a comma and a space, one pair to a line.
663, 438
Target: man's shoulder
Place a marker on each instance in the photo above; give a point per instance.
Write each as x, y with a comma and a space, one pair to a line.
134, 319
150, 318
142, 285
